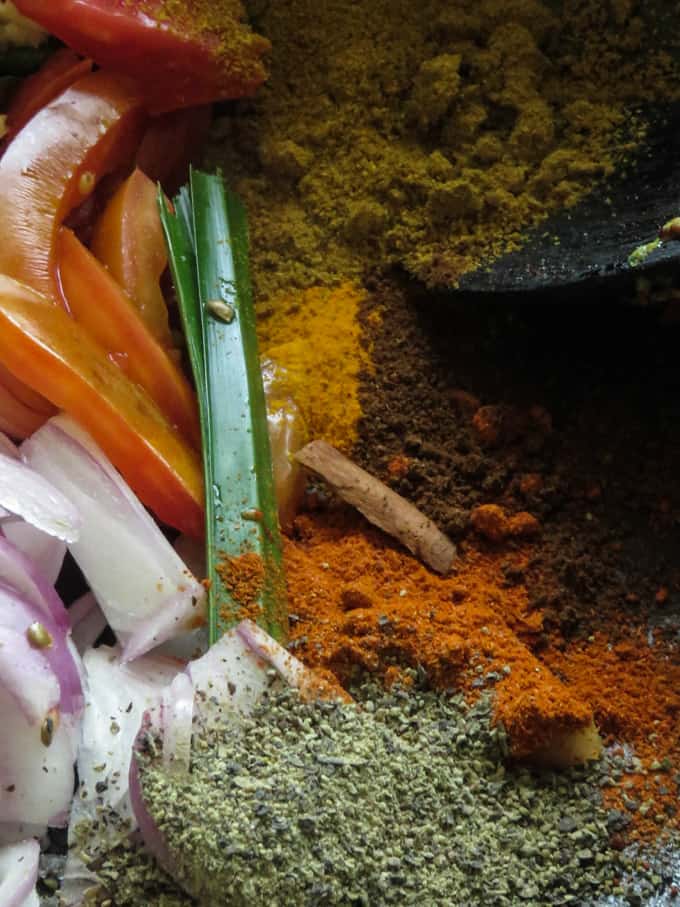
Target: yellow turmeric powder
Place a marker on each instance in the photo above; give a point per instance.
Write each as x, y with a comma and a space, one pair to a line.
431, 134
315, 336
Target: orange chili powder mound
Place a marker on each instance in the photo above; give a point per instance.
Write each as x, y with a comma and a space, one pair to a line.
243, 577
357, 601
634, 690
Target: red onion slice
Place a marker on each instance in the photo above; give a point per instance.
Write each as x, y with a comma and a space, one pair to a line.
40, 638
19, 874
20, 572
28, 494
151, 835
42, 549
289, 668
26, 676
40, 704
117, 697
36, 780
143, 587
176, 720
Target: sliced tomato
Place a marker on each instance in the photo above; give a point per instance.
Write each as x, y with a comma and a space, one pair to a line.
61, 70
43, 347
180, 60
16, 419
53, 165
172, 142
25, 395
99, 304
128, 239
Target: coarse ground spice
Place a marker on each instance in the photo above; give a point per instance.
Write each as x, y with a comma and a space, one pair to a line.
131, 877
400, 799
431, 134
498, 411
315, 337
360, 604
632, 686
243, 578
223, 27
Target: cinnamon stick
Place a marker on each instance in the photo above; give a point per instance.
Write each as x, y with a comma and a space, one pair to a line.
380, 505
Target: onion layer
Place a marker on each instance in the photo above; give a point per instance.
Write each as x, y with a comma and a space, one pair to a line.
145, 590
19, 874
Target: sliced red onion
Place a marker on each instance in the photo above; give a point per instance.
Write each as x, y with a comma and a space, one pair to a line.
28, 494
19, 874
151, 834
143, 587
20, 572
44, 550
26, 676
36, 780
289, 668
40, 704
176, 720
39, 638
117, 697
87, 622
175, 616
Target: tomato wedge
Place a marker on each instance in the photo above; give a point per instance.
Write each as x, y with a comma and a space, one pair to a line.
43, 347
98, 303
16, 419
182, 55
128, 239
54, 163
171, 143
25, 395
60, 71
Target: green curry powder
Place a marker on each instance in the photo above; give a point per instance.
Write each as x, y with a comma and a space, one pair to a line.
400, 799
430, 135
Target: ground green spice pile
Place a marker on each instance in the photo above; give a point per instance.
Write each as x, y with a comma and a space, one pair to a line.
401, 799
431, 134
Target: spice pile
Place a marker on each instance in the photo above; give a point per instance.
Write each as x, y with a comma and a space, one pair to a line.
429, 813
430, 134
498, 407
316, 338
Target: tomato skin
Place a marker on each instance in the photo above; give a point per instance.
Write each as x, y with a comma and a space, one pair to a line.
128, 239
172, 142
53, 164
178, 64
17, 419
25, 395
98, 303
44, 348
57, 74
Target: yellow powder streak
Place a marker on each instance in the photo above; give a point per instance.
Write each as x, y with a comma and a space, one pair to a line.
315, 336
